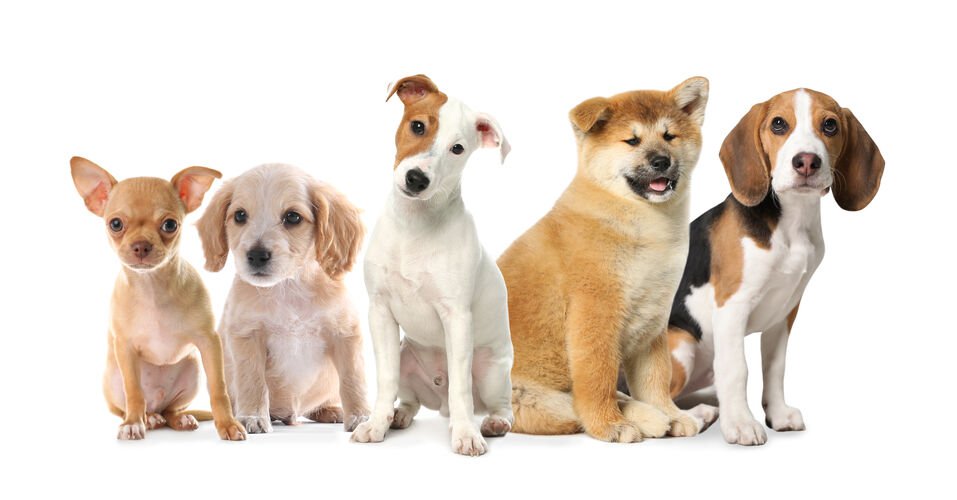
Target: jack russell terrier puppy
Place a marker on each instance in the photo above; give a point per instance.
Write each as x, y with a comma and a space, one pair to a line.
753, 255
160, 312
293, 344
427, 273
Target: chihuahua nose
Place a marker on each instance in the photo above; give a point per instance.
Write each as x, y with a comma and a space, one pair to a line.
661, 163
806, 163
142, 249
416, 181
258, 257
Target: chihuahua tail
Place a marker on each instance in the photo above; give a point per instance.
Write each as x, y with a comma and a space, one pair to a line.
200, 415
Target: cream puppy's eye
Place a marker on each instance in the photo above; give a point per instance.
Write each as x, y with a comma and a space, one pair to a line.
634, 141
457, 149
170, 226
240, 216
418, 128
291, 218
116, 224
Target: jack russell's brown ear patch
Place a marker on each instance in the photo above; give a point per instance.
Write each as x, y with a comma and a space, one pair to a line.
745, 161
859, 168
412, 89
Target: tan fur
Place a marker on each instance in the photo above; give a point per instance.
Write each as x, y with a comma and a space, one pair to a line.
792, 316
422, 101
590, 285
160, 310
679, 376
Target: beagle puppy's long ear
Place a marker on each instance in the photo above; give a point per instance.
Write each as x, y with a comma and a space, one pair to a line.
744, 159
212, 228
192, 183
339, 230
859, 168
92, 182
412, 89
490, 135
590, 115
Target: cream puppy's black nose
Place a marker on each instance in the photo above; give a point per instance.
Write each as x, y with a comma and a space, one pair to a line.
258, 257
416, 181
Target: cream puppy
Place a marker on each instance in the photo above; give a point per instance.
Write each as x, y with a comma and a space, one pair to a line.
427, 272
293, 344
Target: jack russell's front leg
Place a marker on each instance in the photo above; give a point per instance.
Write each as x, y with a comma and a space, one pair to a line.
731, 377
385, 343
459, 347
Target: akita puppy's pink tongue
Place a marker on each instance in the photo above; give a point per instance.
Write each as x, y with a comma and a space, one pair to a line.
660, 184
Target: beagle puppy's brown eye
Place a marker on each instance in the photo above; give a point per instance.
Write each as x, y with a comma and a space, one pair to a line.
779, 126
240, 216
457, 149
668, 137
418, 128
291, 218
170, 226
634, 141
116, 225
829, 127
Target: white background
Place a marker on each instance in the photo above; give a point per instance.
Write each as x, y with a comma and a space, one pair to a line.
151, 90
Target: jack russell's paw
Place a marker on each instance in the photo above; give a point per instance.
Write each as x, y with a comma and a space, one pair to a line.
784, 418
131, 431
403, 417
745, 431
371, 431
684, 425
154, 421
651, 422
231, 430
496, 426
467, 441
255, 425
353, 421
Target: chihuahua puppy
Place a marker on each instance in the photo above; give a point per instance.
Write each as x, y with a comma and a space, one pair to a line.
161, 313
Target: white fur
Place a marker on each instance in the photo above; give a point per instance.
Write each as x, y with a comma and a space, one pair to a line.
426, 272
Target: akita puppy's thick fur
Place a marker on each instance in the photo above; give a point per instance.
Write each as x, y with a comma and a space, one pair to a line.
590, 285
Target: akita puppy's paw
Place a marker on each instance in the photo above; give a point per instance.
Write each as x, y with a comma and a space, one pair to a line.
683, 425
619, 432
651, 421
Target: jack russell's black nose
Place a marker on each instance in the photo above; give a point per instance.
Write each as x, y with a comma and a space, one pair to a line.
661, 163
806, 163
258, 257
416, 181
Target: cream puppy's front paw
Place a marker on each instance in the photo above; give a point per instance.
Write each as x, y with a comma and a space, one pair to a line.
131, 431
744, 431
371, 431
784, 418
467, 441
255, 425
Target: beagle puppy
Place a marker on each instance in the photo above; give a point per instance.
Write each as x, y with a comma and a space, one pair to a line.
752, 256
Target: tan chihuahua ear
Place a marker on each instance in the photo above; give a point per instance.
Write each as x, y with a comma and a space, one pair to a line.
744, 159
691, 96
590, 114
92, 182
412, 89
339, 230
212, 228
192, 183
859, 167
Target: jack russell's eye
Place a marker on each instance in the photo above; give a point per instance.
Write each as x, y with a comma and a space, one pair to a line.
779, 126
116, 225
668, 137
291, 218
240, 216
829, 127
457, 149
170, 226
634, 141
418, 128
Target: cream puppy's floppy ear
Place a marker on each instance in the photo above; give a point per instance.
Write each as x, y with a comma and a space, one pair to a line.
192, 183
339, 230
490, 134
92, 182
745, 160
212, 228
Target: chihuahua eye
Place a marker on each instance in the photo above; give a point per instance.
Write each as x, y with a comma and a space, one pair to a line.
240, 216
457, 149
634, 141
668, 137
779, 126
116, 225
829, 127
170, 226
291, 218
418, 128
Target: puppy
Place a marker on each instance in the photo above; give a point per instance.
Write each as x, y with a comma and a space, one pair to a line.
753, 255
293, 345
589, 285
160, 310
427, 273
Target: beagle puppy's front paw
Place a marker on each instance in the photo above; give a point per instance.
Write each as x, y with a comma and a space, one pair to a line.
467, 441
255, 425
371, 431
746, 432
784, 418
132, 431
231, 430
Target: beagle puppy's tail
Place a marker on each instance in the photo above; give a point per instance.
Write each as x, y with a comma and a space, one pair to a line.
540, 410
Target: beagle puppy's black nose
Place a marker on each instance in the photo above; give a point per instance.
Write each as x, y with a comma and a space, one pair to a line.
661, 163
806, 163
258, 257
416, 181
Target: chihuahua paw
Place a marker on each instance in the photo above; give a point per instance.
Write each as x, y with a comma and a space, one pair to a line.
183, 422
256, 425
132, 431
231, 430
154, 421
